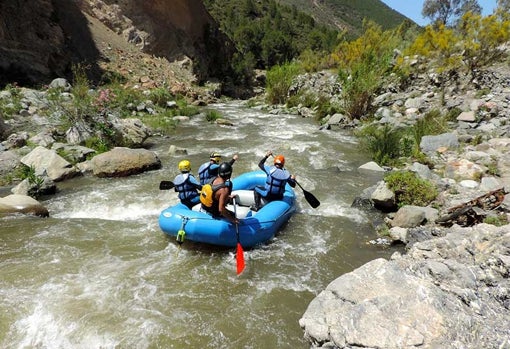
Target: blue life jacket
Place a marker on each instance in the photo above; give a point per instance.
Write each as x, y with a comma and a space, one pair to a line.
184, 187
207, 171
276, 180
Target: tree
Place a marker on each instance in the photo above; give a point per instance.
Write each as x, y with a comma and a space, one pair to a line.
504, 5
482, 38
503, 8
446, 11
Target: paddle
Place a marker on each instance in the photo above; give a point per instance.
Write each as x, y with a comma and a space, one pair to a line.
312, 200
239, 252
165, 185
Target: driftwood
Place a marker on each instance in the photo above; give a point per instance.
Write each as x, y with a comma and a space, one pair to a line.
473, 211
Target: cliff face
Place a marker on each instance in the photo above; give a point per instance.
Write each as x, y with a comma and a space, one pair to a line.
31, 41
42, 40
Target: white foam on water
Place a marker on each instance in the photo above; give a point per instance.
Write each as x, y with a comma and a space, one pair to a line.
100, 205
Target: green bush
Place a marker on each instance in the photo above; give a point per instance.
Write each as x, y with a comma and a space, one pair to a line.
385, 144
409, 189
433, 123
278, 81
11, 106
498, 221
160, 96
212, 115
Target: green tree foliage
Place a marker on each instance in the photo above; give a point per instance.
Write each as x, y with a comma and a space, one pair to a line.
504, 6
446, 11
363, 64
481, 40
268, 33
475, 42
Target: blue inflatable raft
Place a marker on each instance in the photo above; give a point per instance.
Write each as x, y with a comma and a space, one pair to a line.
254, 227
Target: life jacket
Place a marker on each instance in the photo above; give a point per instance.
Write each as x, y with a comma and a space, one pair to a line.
184, 187
208, 196
207, 171
276, 180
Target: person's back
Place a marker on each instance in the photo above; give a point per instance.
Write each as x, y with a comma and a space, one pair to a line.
186, 185
276, 179
222, 188
209, 170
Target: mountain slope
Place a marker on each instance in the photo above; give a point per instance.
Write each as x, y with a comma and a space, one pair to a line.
55, 34
348, 14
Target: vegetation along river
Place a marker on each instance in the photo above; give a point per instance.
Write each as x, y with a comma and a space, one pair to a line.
99, 273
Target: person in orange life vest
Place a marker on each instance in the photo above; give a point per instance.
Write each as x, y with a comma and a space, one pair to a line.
209, 170
222, 189
186, 185
277, 177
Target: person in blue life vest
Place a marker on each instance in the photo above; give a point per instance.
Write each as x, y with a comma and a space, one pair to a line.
186, 185
222, 189
277, 177
209, 170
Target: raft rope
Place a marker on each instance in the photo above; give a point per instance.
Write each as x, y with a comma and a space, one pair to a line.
181, 233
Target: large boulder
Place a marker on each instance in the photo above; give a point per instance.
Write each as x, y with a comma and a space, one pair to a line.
131, 132
48, 162
120, 162
22, 204
447, 292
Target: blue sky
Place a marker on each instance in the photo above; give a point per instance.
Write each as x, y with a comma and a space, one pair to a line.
412, 8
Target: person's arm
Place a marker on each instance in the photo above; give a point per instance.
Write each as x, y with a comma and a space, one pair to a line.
222, 205
292, 181
213, 170
195, 183
263, 160
234, 158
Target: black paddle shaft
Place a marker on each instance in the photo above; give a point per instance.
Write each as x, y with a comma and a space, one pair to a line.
310, 198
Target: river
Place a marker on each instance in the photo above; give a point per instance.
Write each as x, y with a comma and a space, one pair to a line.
99, 273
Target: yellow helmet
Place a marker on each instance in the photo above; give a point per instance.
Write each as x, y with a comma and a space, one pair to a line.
184, 166
216, 157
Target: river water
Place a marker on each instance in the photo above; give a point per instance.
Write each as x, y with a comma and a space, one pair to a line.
99, 273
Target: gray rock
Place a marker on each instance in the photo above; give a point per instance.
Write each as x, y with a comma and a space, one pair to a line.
48, 162
120, 162
383, 198
430, 144
22, 204
447, 292
408, 217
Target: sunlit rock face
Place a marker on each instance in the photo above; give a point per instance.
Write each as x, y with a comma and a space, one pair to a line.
43, 40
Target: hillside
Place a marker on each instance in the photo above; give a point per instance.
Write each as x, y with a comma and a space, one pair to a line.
166, 42
348, 15
116, 38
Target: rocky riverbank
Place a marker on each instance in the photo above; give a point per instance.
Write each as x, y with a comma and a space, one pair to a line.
451, 289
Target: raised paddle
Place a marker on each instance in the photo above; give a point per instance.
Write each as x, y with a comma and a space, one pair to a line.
166, 185
312, 200
239, 252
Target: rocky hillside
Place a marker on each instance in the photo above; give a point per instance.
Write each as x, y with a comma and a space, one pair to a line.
348, 15
121, 37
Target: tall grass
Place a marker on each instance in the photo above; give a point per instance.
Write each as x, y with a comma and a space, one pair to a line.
278, 81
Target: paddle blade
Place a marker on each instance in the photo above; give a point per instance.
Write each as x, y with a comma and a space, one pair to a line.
240, 258
166, 185
312, 200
